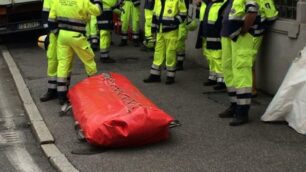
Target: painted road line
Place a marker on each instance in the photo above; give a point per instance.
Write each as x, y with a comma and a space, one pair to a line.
59, 160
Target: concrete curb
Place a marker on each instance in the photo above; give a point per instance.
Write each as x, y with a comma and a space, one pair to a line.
41, 131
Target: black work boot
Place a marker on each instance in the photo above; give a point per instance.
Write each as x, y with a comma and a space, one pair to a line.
220, 86
123, 43
170, 80
49, 95
210, 82
179, 65
152, 78
62, 100
136, 43
240, 117
229, 112
107, 60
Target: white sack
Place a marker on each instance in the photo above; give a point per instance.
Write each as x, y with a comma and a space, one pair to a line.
289, 103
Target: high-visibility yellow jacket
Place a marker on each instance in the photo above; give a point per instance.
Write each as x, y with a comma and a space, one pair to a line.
168, 14
73, 14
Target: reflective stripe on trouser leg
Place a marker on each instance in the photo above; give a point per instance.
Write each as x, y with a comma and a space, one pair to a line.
215, 57
232, 95
220, 78
244, 96
135, 21
171, 72
227, 67
125, 19
181, 57
155, 70
52, 84
212, 76
105, 41
62, 87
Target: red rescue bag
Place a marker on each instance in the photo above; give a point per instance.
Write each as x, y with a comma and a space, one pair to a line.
114, 113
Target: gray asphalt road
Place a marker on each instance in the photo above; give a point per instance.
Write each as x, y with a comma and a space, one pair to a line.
19, 150
203, 143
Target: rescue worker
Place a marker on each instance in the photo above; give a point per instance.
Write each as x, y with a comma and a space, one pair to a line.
92, 32
105, 25
68, 19
167, 16
209, 39
51, 55
148, 12
243, 26
182, 36
130, 11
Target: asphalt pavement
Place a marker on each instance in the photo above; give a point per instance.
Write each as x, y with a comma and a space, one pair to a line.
204, 142
19, 151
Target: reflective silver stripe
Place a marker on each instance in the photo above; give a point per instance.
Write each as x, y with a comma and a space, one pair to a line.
231, 89
103, 22
183, 13
168, 18
244, 90
71, 20
220, 79
259, 31
104, 50
46, 9
52, 86
213, 39
236, 33
179, 18
45, 25
155, 67
68, 26
94, 40
61, 88
235, 18
251, 2
124, 37
233, 99
212, 77
243, 101
154, 25
135, 37
51, 20
170, 74
60, 79
171, 68
180, 58
104, 55
252, 9
211, 22
52, 78
155, 72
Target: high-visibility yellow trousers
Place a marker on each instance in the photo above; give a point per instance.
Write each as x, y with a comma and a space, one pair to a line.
130, 12
165, 50
69, 42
